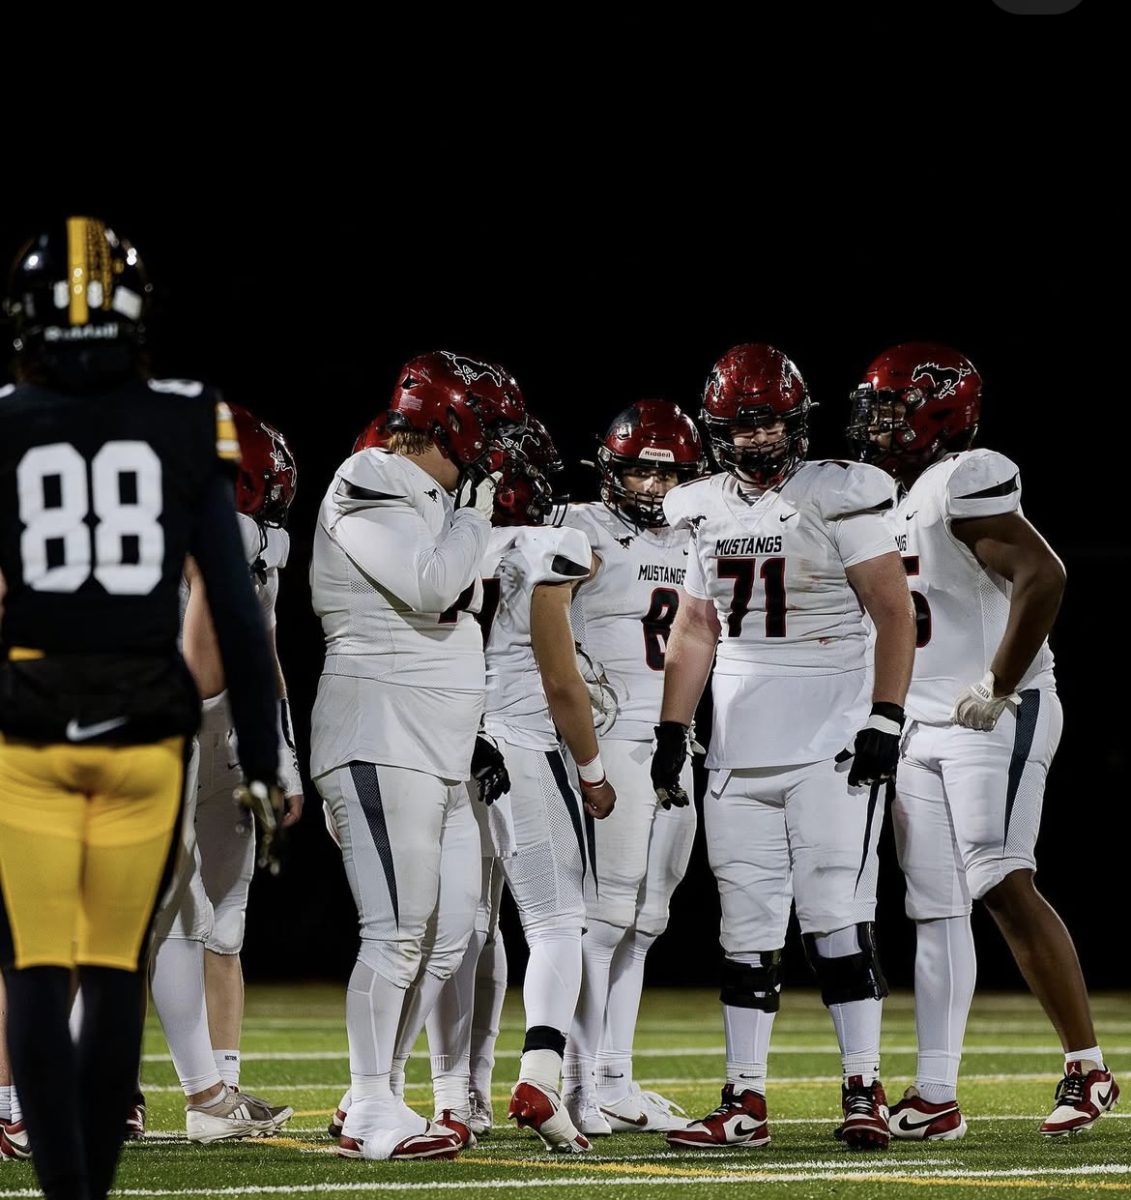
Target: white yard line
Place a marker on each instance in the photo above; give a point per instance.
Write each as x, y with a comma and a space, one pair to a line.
788, 1174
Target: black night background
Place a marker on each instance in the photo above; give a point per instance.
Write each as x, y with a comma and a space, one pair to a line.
610, 255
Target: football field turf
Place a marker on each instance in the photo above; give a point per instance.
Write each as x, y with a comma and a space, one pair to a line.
295, 1053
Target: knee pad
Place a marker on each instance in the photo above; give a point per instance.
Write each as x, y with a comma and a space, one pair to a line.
227, 931
396, 961
852, 976
747, 986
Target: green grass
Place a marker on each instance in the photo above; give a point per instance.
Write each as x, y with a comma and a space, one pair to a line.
1010, 1069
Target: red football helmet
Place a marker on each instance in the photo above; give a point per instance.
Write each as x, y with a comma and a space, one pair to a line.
927, 397
525, 493
649, 436
267, 476
463, 403
375, 434
757, 385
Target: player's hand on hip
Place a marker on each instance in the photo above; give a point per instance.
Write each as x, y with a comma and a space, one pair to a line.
978, 708
598, 799
875, 750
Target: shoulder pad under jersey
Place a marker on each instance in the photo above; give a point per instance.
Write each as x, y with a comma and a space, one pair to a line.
983, 483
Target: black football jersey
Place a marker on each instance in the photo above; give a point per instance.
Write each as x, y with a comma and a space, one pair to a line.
99, 499
102, 494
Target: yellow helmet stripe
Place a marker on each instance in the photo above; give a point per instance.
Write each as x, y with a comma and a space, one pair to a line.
78, 269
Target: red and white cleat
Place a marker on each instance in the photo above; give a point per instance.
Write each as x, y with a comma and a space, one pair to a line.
458, 1126
740, 1120
1083, 1096
435, 1141
14, 1142
135, 1119
540, 1109
865, 1107
915, 1119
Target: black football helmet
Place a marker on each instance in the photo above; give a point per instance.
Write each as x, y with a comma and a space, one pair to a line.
77, 286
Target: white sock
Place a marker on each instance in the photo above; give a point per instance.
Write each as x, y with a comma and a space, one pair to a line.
857, 1022
490, 992
17, 1107
946, 968
748, 1046
553, 977
419, 1002
626, 983
373, 1012
5, 1102
598, 945
543, 1067
228, 1064
449, 1033
1093, 1053
177, 982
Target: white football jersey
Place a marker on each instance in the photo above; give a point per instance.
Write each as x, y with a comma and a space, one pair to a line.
792, 676
623, 615
395, 579
961, 607
516, 702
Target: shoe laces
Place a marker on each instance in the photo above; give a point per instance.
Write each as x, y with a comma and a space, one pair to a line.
1070, 1090
663, 1103
860, 1101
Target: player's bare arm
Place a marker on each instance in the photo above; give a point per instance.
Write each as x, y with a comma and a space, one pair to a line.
552, 641
201, 649
881, 585
1010, 546
689, 658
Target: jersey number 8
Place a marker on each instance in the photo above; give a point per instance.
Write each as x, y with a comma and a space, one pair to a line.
124, 548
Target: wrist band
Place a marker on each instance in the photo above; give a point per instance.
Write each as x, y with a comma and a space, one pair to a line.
591, 773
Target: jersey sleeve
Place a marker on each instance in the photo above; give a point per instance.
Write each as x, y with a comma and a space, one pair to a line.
267, 593
848, 488
554, 555
983, 484
693, 582
684, 503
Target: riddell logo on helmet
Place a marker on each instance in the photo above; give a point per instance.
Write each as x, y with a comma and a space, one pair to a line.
81, 333
945, 379
657, 454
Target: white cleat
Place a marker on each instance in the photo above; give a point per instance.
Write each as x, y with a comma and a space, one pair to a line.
644, 1112
235, 1116
585, 1112
482, 1115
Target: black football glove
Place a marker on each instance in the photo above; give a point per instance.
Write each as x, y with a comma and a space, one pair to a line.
673, 740
875, 752
489, 769
266, 803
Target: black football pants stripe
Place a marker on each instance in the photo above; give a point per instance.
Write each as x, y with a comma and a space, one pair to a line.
1027, 715
873, 798
364, 775
557, 766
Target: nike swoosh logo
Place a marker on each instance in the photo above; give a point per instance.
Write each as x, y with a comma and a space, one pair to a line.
911, 514
82, 733
1104, 1101
740, 1132
787, 516
910, 1126
638, 1121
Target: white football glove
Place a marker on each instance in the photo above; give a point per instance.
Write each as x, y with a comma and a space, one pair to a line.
602, 699
478, 491
978, 708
